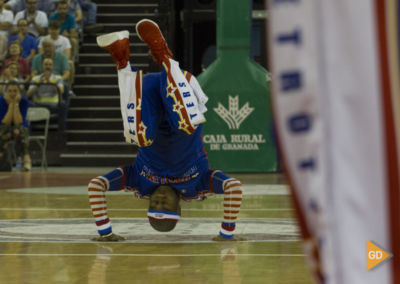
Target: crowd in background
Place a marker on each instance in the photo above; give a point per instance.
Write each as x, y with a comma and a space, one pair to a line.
39, 46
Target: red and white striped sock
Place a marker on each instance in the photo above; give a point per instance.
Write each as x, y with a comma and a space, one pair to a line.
97, 198
232, 202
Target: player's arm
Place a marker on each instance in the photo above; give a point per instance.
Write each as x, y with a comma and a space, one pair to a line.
96, 189
231, 188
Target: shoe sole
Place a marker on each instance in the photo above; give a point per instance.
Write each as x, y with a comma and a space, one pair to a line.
107, 39
146, 20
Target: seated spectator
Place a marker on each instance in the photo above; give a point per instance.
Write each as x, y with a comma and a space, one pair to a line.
11, 74
29, 43
14, 55
6, 20
52, 85
61, 44
37, 20
16, 6
13, 124
47, 6
46, 89
89, 16
60, 61
75, 9
68, 26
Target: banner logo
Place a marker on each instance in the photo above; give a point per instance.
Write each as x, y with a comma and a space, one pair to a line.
234, 116
376, 255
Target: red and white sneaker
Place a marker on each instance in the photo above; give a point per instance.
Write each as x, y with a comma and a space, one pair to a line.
149, 32
117, 44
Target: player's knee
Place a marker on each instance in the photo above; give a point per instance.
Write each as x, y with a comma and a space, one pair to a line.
233, 186
97, 184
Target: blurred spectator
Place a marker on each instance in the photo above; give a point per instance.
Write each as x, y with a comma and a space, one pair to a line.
61, 44
47, 6
68, 25
6, 20
14, 55
60, 61
37, 20
46, 90
11, 74
16, 6
89, 9
13, 123
29, 43
75, 9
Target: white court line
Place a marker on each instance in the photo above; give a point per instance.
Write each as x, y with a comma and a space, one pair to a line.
149, 255
144, 210
248, 189
24, 240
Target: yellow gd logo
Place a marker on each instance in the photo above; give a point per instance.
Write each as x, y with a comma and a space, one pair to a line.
376, 255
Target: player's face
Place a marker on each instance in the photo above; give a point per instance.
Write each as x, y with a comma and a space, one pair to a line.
165, 199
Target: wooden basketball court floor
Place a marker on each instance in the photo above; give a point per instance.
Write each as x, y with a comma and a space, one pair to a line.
46, 226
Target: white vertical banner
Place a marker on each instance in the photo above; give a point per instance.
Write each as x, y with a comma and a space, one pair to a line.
328, 113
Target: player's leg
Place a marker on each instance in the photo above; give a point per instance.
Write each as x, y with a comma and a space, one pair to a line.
179, 99
221, 183
139, 118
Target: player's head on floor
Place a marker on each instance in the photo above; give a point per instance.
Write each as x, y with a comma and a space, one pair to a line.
164, 208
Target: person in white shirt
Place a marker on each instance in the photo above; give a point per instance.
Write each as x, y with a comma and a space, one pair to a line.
37, 20
47, 6
61, 43
6, 20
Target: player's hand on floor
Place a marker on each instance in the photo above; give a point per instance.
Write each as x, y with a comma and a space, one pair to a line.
235, 238
109, 238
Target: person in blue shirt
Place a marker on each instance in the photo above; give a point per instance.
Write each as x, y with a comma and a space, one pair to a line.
13, 123
162, 114
28, 43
